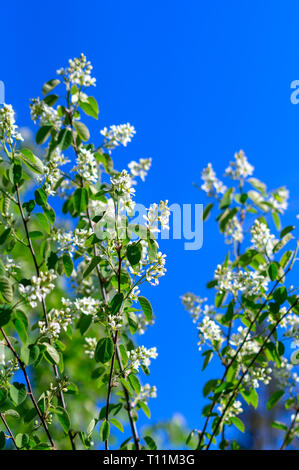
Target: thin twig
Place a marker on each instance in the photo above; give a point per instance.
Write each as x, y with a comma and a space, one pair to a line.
9, 430
55, 368
29, 388
289, 432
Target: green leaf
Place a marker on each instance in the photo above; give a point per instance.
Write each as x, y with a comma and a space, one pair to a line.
82, 130
117, 424
208, 357
104, 350
134, 252
63, 418
146, 307
50, 85
251, 397
5, 314
80, 200
152, 250
33, 162
2, 440
65, 139
50, 100
94, 262
133, 322
90, 107
22, 440
238, 423
207, 211
43, 134
68, 264
29, 354
4, 235
21, 325
84, 323
226, 199
150, 442
275, 397
104, 431
49, 213
145, 409
40, 197
51, 353
6, 289
287, 230
134, 382
272, 271
116, 303
18, 393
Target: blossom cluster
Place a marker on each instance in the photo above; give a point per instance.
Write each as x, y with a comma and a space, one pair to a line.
117, 135
8, 128
78, 72
39, 288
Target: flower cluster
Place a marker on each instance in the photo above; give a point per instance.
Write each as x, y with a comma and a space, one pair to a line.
157, 213
69, 242
39, 288
86, 165
247, 282
145, 394
233, 231
210, 332
262, 239
140, 168
233, 410
117, 135
78, 72
194, 305
279, 199
90, 346
45, 114
141, 356
211, 184
240, 168
52, 174
8, 128
122, 186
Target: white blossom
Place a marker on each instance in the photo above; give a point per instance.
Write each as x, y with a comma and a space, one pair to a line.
45, 114
8, 128
86, 165
140, 168
117, 135
142, 356
240, 168
211, 184
40, 287
78, 72
262, 239
209, 331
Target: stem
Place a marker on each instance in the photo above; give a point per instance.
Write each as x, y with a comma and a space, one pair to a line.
289, 432
236, 389
55, 368
238, 351
9, 430
29, 388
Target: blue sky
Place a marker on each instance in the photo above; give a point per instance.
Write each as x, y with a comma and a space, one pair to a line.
199, 81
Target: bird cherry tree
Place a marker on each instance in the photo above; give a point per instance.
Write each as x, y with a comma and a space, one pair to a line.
73, 261
251, 330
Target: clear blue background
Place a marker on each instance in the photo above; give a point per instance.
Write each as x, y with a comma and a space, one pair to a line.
199, 81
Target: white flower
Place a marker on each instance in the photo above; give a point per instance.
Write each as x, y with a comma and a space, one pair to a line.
118, 135
140, 168
145, 394
78, 72
240, 168
40, 287
122, 186
247, 282
141, 356
279, 199
45, 114
8, 128
262, 239
157, 213
212, 185
87, 166
233, 410
52, 173
209, 331
233, 231
194, 305
90, 347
